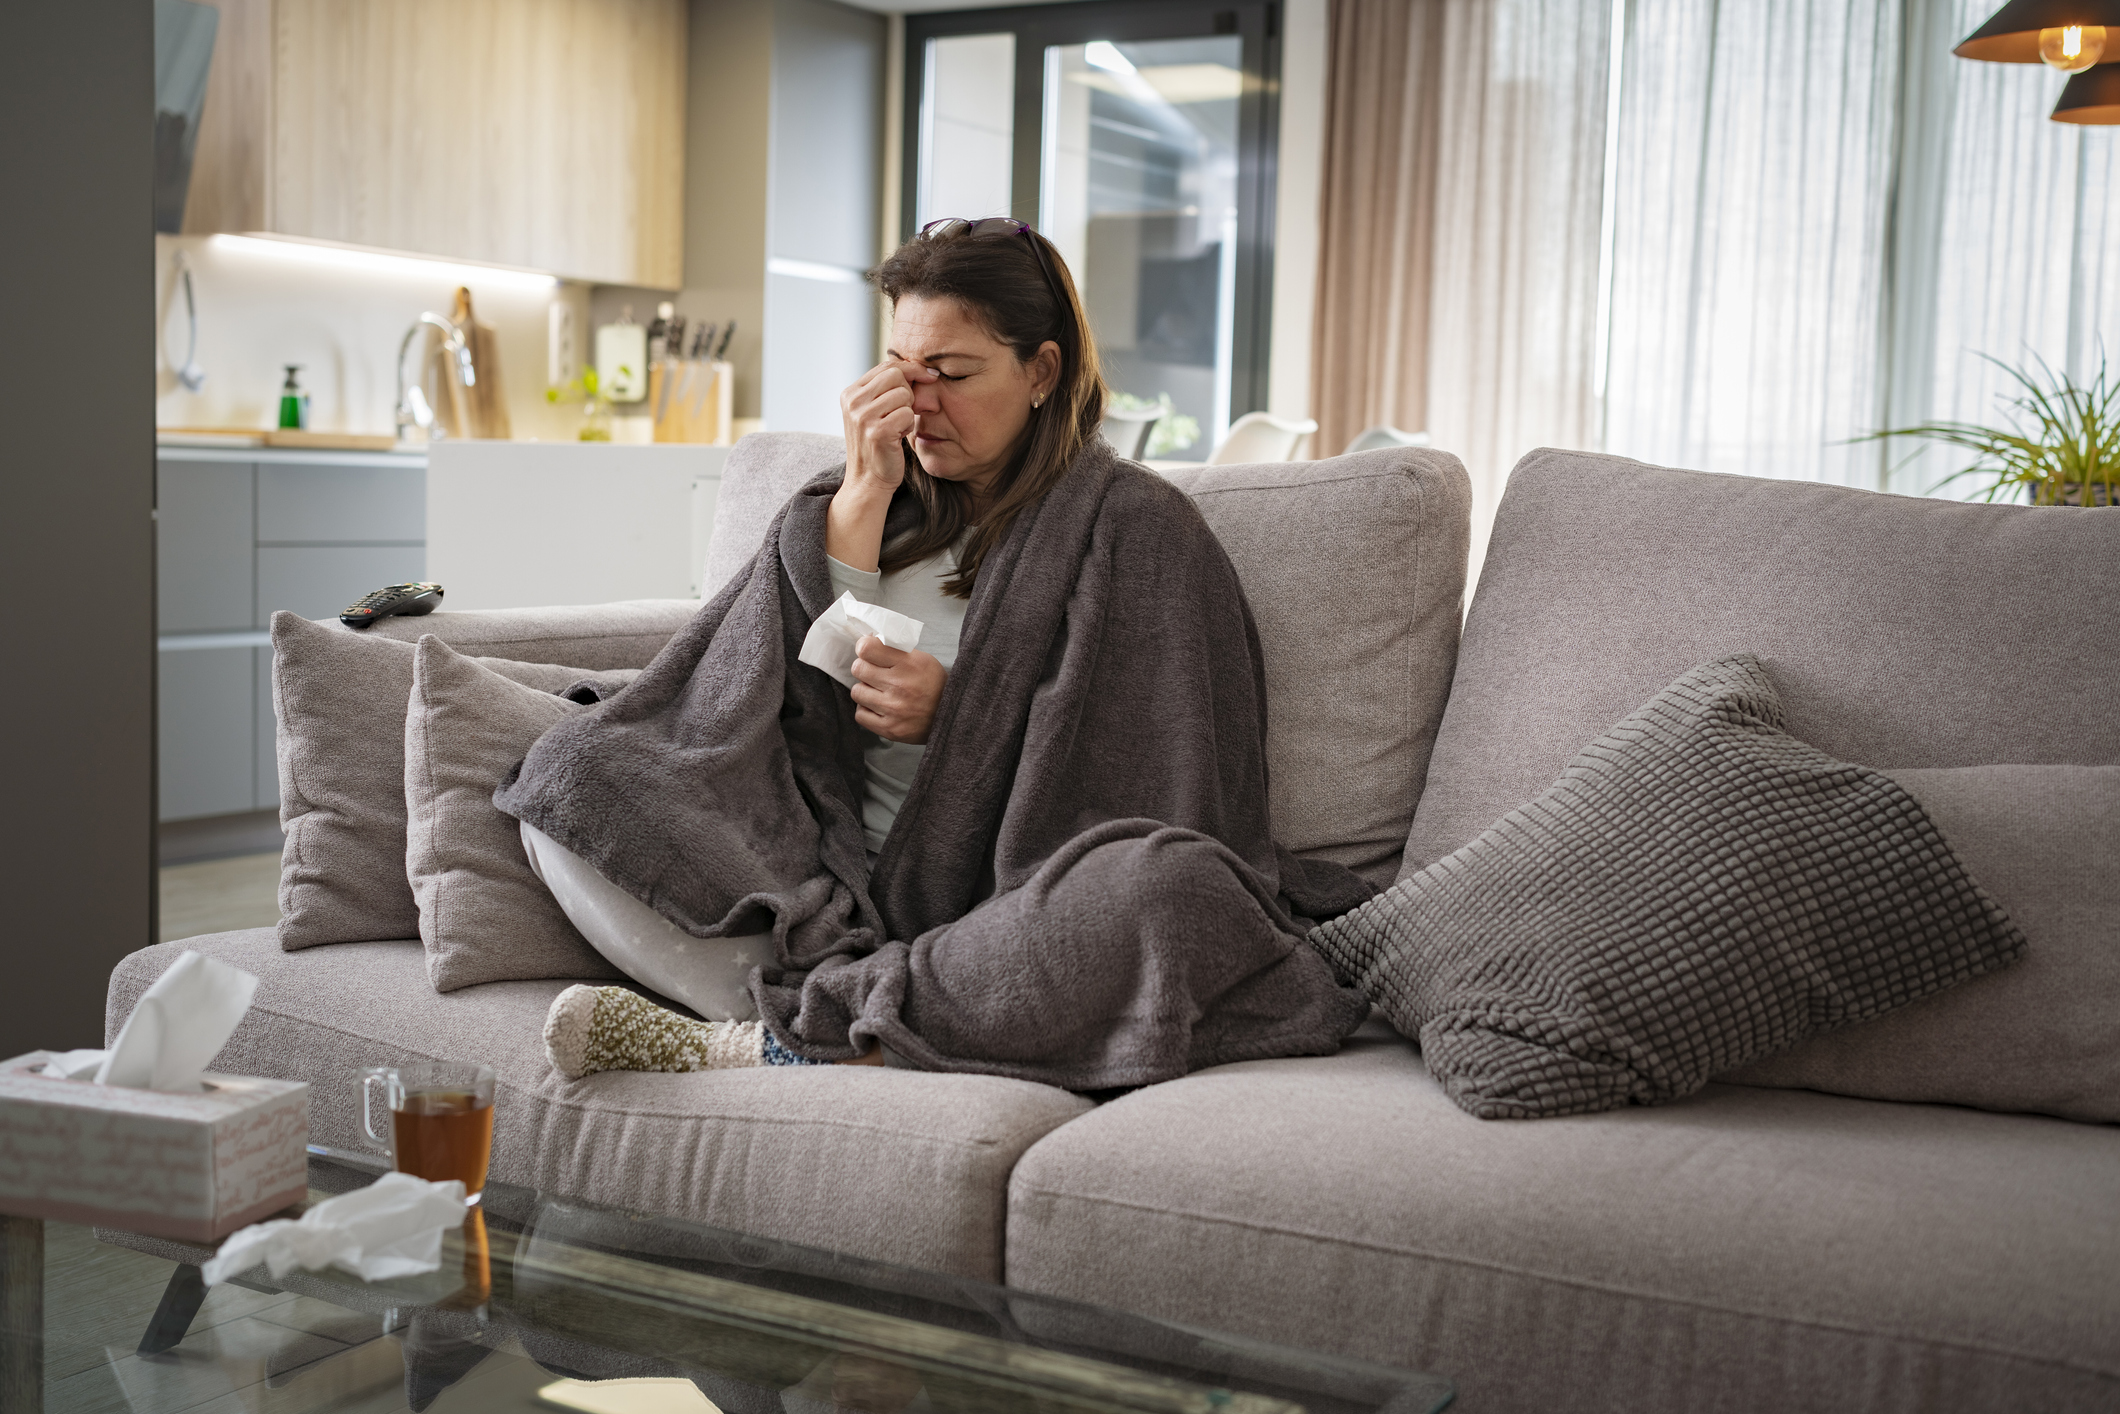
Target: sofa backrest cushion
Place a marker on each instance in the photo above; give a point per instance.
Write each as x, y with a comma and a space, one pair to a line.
2042, 1035
1355, 569
1902, 632
762, 471
599, 637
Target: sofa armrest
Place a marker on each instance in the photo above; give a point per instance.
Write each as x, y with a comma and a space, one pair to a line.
599, 637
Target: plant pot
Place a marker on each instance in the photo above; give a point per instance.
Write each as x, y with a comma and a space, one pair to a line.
2072, 494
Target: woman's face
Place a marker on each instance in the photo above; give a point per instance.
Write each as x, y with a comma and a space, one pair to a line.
969, 422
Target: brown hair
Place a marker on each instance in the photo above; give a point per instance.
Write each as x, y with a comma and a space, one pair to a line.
1000, 281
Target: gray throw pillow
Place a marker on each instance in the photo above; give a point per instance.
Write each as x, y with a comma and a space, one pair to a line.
2043, 1036
1698, 889
340, 699
484, 916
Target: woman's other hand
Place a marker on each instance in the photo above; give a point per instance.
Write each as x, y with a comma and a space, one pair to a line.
896, 690
878, 415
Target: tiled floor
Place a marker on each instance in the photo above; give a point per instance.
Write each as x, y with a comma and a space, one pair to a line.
217, 895
247, 1352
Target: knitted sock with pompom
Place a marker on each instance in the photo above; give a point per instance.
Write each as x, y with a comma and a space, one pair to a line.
609, 1028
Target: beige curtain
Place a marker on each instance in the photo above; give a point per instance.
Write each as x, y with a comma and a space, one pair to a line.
1459, 232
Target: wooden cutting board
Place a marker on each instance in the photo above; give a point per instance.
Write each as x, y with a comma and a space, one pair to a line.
277, 437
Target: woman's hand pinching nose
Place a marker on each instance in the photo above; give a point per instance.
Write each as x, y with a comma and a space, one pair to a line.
896, 690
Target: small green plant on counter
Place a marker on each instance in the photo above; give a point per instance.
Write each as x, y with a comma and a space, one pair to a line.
1173, 432
2062, 446
596, 408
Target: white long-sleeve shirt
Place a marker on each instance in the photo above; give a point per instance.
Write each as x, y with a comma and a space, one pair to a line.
916, 592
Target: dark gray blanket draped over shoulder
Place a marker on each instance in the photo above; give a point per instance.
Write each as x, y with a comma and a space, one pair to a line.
1081, 887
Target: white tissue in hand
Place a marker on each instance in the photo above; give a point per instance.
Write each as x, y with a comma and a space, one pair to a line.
179, 1025
838, 631
392, 1228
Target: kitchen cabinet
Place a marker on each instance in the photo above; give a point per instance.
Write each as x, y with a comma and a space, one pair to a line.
549, 136
207, 730
238, 536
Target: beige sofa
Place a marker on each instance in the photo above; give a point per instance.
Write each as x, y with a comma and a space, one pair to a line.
1747, 1248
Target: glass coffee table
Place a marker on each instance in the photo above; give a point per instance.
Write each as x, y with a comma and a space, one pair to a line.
547, 1303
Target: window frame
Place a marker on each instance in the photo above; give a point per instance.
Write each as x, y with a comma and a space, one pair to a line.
1035, 27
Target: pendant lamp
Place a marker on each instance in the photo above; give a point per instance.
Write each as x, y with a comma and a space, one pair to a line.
2091, 97
2073, 36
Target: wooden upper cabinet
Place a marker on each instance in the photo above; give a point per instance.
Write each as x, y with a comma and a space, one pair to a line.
538, 133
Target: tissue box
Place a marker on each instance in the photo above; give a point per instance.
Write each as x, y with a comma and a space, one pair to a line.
189, 1166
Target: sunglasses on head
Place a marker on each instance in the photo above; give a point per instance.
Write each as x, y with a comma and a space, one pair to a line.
950, 227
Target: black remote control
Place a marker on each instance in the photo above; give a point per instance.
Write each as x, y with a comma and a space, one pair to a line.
392, 599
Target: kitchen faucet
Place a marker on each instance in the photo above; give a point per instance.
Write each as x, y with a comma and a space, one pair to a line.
412, 408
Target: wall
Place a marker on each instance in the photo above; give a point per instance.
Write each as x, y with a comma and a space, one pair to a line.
77, 856
341, 314
824, 184
783, 180
727, 132
1300, 162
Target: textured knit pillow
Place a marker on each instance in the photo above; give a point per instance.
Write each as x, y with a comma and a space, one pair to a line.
484, 916
1698, 889
340, 699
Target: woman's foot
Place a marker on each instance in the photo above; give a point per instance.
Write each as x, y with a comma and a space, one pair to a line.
609, 1028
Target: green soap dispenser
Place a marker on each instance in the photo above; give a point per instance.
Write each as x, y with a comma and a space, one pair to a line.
294, 403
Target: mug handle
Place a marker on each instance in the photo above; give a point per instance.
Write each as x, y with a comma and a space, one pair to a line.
369, 1079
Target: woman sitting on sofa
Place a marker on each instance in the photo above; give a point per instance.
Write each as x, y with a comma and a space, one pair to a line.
1037, 843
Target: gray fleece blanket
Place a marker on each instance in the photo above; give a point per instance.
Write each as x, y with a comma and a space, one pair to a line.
1082, 887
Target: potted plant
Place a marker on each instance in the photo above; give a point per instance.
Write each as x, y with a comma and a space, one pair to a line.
2062, 447
596, 408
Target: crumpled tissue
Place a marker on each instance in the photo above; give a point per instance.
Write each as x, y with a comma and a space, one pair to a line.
178, 1026
838, 631
391, 1228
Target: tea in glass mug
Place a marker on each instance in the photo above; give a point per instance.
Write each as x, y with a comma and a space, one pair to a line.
441, 1119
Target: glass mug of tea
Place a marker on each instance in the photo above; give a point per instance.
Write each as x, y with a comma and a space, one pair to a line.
441, 1119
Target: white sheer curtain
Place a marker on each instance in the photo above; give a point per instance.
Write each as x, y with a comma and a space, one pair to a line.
1752, 193
1805, 221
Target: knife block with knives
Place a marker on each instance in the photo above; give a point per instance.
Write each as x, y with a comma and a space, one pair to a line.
692, 395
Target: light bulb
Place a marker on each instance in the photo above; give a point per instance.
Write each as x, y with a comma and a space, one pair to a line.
2072, 48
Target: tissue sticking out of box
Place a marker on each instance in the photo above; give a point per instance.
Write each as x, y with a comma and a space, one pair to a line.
391, 1228
838, 631
176, 1029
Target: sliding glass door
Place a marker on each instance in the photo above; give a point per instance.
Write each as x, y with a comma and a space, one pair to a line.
1139, 137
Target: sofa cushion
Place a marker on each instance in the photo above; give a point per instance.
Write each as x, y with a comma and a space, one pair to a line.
340, 699
1740, 1250
1699, 889
2043, 1035
1355, 571
484, 915
1901, 631
762, 471
897, 1165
